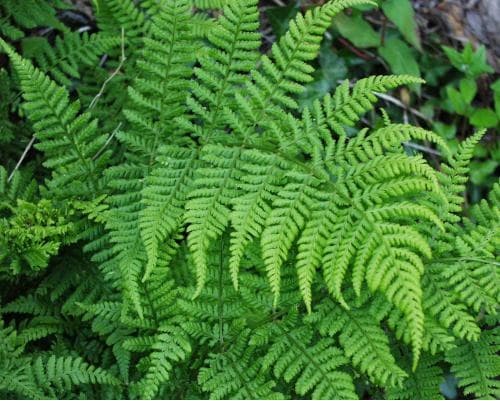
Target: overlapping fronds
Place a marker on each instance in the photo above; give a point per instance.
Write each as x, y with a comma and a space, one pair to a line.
68, 137
195, 234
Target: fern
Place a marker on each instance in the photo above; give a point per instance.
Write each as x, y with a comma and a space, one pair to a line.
362, 339
235, 374
69, 54
14, 16
294, 355
194, 233
40, 377
69, 140
346, 107
115, 15
422, 384
476, 365
159, 77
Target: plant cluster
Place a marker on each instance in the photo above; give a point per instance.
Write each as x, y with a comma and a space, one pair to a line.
185, 229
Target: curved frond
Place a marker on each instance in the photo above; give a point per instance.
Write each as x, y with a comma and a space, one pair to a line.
69, 139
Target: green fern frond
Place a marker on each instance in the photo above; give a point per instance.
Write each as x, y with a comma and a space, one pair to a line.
362, 339
52, 376
285, 71
346, 106
70, 140
40, 327
69, 53
127, 253
207, 211
477, 365
312, 365
21, 186
260, 176
164, 198
455, 174
236, 374
224, 66
168, 346
61, 373
209, 4
28, 15
157, 96
9, 29
446, 307
422, 384
290, 210
114, 15
467, 263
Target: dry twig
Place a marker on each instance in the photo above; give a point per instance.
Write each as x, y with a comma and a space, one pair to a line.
114, 74
25, 152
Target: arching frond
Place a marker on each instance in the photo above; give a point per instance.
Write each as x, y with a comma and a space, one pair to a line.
69, 138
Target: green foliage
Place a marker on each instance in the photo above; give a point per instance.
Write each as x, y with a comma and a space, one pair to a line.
43, 376
191, 225
16, 16
422, 384
471, 63
476, 365
68, 54
463, 92
31, 235
402, 14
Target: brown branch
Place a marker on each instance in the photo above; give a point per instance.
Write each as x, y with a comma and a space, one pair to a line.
360, 53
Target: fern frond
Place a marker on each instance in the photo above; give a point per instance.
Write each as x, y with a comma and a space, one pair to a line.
422, 384
64, 60
51, 377
260, 175
207, 211
362, 339
224, 66
60, 373
467, 263
446, 307
455, 174
127, 255
346, 106
312, 365
236, 374
168, 346
286, 70
164, 198
157, 96
70, 140
114, 15
209, 4
477, 365
29, 14
290, 211
40, 327
21, 186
